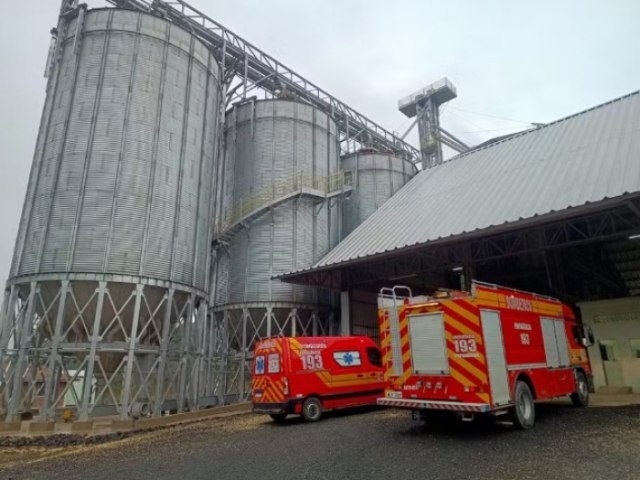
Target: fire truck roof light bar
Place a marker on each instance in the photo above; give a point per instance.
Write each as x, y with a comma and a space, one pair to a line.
253, 65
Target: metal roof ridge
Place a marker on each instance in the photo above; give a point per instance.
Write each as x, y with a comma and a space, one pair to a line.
541, 127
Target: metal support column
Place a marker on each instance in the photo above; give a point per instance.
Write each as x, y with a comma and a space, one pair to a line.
23, 347
345, 317
131, 356
164, 350
83, 413
50, 389
184, 361
245, 314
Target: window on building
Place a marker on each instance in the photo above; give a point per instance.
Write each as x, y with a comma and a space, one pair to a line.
609, 350
635, 347
375, 357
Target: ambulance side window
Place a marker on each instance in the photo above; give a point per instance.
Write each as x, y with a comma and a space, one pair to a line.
375, 357
348, 359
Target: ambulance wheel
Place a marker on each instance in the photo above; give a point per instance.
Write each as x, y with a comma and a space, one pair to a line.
279, 417
580, 398
524, 412
312, 409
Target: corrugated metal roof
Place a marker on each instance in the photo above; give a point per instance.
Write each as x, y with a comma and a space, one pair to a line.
585, 158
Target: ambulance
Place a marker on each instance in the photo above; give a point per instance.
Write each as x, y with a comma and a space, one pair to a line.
492, 351
312, 375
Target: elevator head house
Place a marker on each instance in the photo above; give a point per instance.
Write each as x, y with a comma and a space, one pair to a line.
553, 210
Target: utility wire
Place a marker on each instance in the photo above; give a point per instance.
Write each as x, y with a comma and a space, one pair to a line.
490, 115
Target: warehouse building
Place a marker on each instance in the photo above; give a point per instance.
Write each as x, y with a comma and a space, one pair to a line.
554, 210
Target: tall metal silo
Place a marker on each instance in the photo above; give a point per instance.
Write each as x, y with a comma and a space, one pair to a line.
107, 297
279, 211
376, 177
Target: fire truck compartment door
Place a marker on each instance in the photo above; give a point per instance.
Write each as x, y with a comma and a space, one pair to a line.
496, 361
555, 342
394, 332
428, 344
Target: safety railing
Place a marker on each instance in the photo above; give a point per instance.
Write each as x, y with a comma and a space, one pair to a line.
288, 186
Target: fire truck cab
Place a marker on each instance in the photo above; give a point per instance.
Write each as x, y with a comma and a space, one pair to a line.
494, 350
311, 375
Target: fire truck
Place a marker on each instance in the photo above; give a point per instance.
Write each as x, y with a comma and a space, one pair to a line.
492, 351
311, 375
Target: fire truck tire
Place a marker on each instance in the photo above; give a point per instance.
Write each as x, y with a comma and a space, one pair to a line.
580, 398
524, 412
279, 417
312, 409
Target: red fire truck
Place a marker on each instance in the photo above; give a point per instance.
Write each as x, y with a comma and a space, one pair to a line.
492, 351
311, 375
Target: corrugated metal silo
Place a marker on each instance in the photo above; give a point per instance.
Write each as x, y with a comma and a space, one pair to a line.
110, 264
376, 177
278, 212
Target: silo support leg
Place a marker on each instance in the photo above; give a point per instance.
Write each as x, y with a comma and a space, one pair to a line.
133, 340
83, 412
184, 361
164, 350
23, 347
50, 388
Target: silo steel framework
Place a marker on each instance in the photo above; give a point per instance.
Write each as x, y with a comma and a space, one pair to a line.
47, 310
107, 296
279, 193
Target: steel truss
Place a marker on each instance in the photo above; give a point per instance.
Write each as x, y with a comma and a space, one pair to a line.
617, 222
245, 324
106, 344
247, 69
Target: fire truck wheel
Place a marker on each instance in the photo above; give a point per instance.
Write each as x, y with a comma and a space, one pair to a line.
312, 409
581, 396
279, 417
524, 413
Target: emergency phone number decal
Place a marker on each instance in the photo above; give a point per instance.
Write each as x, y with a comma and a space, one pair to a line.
465, 346
311, 360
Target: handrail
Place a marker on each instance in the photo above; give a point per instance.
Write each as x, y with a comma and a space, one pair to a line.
287, 186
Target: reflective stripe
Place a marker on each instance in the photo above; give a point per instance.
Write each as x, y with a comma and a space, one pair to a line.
526, 366
435, 405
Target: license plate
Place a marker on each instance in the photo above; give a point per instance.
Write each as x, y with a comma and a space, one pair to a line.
393, 394
257, 393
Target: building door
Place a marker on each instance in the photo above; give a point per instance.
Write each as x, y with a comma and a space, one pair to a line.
611, 363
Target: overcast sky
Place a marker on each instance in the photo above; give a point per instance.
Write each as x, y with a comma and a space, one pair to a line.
512, 63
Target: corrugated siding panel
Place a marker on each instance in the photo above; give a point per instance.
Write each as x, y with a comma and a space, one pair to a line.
377, 177
108, 159
582, 159
267, 143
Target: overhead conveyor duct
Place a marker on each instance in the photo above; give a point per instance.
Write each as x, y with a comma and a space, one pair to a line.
254, 68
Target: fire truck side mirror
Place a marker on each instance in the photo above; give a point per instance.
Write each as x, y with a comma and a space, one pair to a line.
588, 338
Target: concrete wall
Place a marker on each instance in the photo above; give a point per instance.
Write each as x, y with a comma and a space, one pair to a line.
617, 320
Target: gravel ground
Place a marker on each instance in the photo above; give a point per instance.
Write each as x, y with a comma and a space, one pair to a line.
567, 443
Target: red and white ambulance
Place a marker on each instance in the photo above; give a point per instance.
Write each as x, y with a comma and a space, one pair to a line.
311, 375
492, 351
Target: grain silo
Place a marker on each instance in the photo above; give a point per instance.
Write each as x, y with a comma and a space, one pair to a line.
105, 308
376, 177
279, 211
